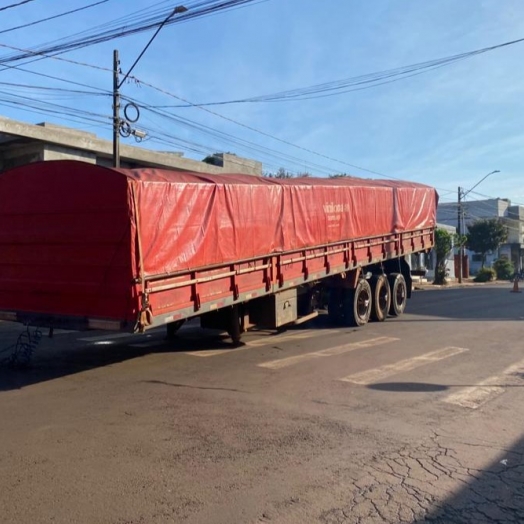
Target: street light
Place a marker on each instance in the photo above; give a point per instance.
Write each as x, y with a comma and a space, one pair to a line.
117, 84
461, 195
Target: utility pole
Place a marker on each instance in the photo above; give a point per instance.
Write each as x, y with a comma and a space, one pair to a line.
460, 220
116, 110
117, 84
459, 231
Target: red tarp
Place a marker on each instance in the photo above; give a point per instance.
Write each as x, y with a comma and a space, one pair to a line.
68, 230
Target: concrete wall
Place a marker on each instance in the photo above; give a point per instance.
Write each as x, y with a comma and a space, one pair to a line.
21, 143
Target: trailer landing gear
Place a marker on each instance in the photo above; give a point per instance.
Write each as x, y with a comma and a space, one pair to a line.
172, 328
236, 325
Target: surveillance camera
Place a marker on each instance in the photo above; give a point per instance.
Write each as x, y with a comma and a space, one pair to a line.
139, 134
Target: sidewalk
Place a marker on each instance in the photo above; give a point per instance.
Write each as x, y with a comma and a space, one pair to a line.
424, 284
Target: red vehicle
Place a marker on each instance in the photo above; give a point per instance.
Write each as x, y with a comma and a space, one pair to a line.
89, 247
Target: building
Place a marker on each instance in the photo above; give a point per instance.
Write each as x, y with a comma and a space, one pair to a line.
501, 208
424, 264
22, 143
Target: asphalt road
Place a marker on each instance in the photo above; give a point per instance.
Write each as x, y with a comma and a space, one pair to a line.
417, 419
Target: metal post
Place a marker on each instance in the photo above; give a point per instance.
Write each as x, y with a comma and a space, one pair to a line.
459, 231
116, 110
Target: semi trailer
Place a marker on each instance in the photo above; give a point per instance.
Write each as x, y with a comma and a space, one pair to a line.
89, 247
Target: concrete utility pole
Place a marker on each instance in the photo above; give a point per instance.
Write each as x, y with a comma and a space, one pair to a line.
116, 110
459, 231
460, 217
117, 84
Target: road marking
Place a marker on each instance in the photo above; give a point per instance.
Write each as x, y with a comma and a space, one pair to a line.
296, 335
265, 340
329, 352
371, 376
475, 396
212, 352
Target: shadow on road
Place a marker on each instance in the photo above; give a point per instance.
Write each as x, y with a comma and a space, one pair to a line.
421, 387
494, 493
66, 355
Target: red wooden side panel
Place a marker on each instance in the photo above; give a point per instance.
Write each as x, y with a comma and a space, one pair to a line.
195, 292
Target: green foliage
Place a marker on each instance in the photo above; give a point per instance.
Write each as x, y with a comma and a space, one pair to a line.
340, 175
460, 240
443, 246
486, 235
281, 173
504, 269
485, 274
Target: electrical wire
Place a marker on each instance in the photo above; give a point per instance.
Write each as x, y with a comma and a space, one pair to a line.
361, 82
54, 17
196, 9
15, 5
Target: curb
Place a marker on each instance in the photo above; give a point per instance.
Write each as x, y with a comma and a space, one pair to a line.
452, 285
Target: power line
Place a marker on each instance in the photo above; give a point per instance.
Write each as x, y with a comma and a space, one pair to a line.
46, 88
140, 82
60, 79
357, 83
196, 9
263, 133
15, 5
52, 17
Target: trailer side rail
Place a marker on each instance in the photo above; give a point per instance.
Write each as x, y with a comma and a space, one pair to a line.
176, 296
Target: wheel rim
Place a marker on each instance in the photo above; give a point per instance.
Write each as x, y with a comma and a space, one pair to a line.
363, 302
400, 295
383, 298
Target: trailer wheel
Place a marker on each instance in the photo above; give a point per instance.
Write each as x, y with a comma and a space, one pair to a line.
172, 328
381, 298
399, 294
357, 304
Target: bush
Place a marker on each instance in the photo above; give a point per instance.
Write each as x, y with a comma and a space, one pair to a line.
504, 269
485, 274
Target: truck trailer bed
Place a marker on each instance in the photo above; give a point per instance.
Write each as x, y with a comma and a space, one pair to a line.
86, 246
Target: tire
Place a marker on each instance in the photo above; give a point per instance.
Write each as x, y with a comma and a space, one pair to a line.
357, 305
399, 294
381, 294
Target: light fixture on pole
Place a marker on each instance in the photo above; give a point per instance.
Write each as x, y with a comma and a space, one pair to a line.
117, 84
460, 218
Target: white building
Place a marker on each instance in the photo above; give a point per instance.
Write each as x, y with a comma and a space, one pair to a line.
511, 216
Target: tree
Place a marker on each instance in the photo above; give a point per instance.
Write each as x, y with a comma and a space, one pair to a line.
443, 246
281, 173
486, 235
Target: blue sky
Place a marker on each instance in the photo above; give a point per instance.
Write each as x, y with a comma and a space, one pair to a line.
446, 127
